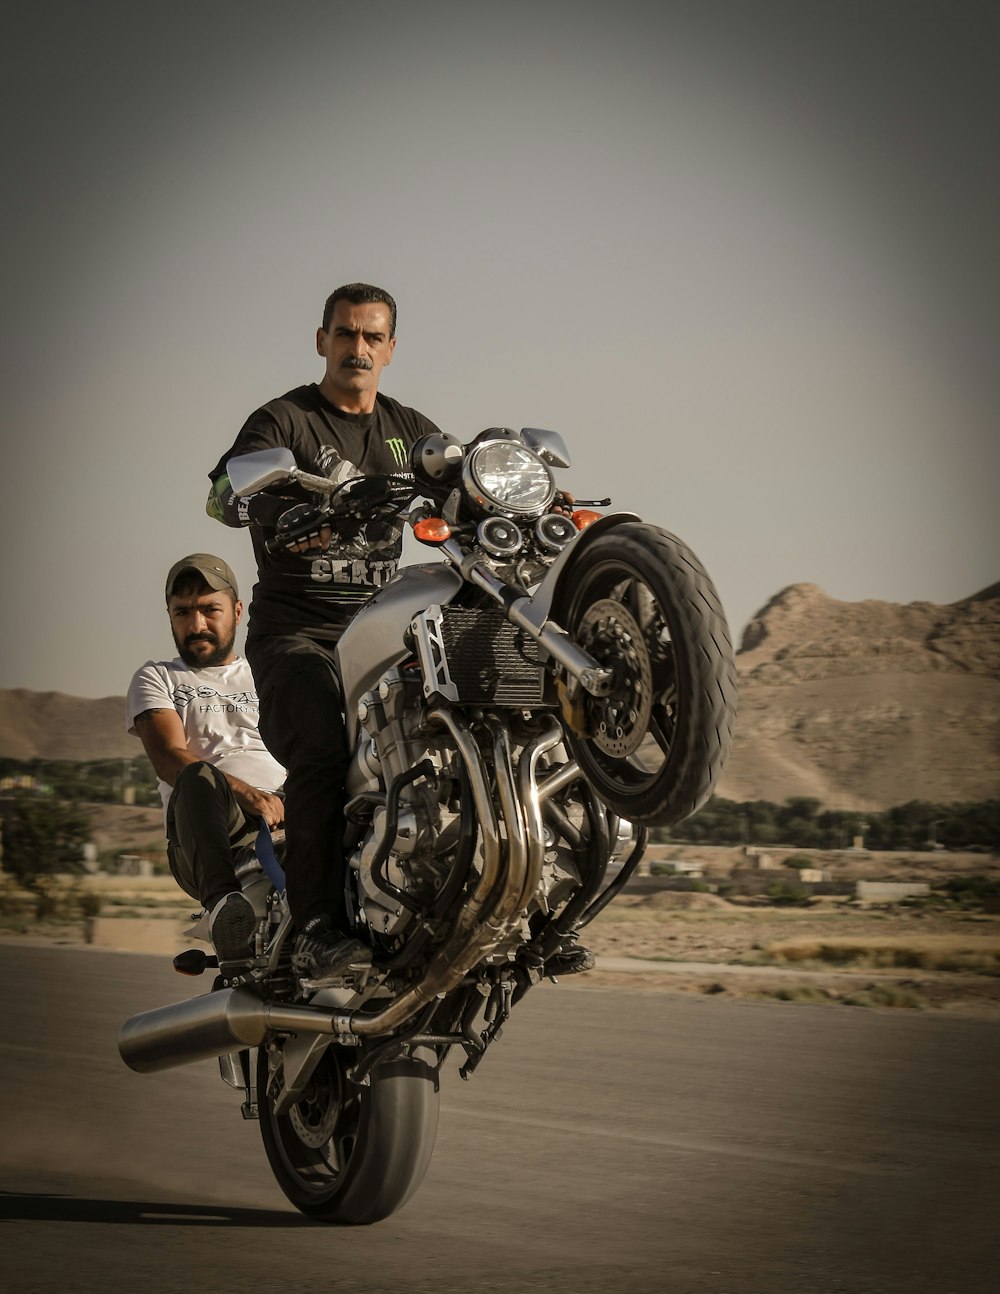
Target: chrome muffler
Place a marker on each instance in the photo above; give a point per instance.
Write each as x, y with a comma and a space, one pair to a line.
210, 1025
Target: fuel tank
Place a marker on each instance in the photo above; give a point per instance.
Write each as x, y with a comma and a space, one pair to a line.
373, 641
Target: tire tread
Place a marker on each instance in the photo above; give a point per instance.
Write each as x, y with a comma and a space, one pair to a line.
706, 665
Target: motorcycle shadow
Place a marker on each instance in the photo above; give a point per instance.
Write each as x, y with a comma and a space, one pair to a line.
25, 1207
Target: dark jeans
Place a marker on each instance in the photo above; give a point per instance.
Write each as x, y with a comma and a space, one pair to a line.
302, 723
204, 826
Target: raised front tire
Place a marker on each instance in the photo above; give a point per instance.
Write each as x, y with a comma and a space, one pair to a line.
640, 602
347, 1154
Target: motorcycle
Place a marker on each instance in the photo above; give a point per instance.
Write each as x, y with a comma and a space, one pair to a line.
520, 712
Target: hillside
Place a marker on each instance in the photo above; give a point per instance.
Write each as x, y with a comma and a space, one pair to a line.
868, 704
52, 725
860, 704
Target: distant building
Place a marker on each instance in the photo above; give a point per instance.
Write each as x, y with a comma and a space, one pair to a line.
760, 860
679, 867
22, 782
891, 889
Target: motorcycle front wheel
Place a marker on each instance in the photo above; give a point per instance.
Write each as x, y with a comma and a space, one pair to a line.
348, 1154
639, 601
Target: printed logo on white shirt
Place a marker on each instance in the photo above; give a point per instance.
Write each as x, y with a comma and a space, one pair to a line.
232, 701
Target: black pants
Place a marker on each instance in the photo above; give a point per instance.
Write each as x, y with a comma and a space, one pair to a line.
302, 723
204, 826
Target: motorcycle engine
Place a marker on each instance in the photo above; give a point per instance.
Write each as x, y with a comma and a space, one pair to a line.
398, 879
393, 895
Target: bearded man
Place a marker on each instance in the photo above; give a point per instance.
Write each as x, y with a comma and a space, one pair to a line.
196, 716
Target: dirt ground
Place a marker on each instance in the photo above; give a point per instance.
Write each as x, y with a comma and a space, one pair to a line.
836, 950
696, 927
922, 953
697, 943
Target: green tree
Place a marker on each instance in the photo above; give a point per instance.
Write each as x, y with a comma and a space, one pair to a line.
42, 837
799, 806
800, 831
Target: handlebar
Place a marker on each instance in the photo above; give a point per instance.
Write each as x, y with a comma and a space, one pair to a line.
317, 484
348, 507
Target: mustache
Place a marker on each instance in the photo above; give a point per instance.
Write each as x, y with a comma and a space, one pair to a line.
354, 362
201, 638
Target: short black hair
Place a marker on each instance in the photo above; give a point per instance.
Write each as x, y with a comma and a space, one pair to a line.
360, 294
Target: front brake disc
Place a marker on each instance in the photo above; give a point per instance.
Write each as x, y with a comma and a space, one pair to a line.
619, 721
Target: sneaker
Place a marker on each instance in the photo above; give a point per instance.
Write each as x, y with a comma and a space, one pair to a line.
322, 953
231, 926
571, 959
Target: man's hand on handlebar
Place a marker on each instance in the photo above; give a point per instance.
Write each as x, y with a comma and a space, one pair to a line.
302, 527
366, 492
307, 526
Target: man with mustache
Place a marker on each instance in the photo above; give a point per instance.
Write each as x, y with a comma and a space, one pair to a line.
308, 591
196, 716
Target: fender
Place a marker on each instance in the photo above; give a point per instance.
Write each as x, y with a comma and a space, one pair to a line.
540, 607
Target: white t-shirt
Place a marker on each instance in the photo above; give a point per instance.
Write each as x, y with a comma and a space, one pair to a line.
219, 710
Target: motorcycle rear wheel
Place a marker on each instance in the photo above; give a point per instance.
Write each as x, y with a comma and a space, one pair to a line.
643, 605
347, 1154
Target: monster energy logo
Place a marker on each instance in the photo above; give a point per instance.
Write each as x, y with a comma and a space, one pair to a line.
398, 449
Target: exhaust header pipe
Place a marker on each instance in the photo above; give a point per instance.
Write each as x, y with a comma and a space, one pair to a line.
232, 1019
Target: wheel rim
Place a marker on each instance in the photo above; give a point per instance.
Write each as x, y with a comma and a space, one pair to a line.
317, 1136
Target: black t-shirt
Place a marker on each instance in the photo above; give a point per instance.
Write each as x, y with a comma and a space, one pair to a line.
322, 590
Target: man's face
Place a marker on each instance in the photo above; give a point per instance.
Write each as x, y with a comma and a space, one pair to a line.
204, 626
356, 347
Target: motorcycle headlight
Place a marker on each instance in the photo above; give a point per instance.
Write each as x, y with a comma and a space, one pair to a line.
504, 476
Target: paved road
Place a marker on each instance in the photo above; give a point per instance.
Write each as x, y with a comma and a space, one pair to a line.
612, 1141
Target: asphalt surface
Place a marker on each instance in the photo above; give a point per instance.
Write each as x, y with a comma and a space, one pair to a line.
612, 1140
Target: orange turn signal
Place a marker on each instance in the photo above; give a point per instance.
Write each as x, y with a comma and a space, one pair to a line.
432, 530
583, 517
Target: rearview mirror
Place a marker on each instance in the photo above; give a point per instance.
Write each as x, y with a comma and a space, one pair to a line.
548, 445
251, 473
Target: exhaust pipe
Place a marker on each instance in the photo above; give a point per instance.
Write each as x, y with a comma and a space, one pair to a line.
232, 1019
488, 913
210, 1025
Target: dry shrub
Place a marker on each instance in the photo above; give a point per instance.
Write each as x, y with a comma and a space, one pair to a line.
890, 995
800, 993
684, 900
927, 952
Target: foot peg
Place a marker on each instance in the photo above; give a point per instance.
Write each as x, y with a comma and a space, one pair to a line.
194, 962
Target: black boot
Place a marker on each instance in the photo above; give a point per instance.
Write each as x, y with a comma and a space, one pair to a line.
570, 959
323, 954
231, 926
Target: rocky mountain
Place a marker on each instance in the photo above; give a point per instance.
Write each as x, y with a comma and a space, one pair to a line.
859, 704
868, 704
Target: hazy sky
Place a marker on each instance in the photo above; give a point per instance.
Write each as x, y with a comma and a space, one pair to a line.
743, 256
